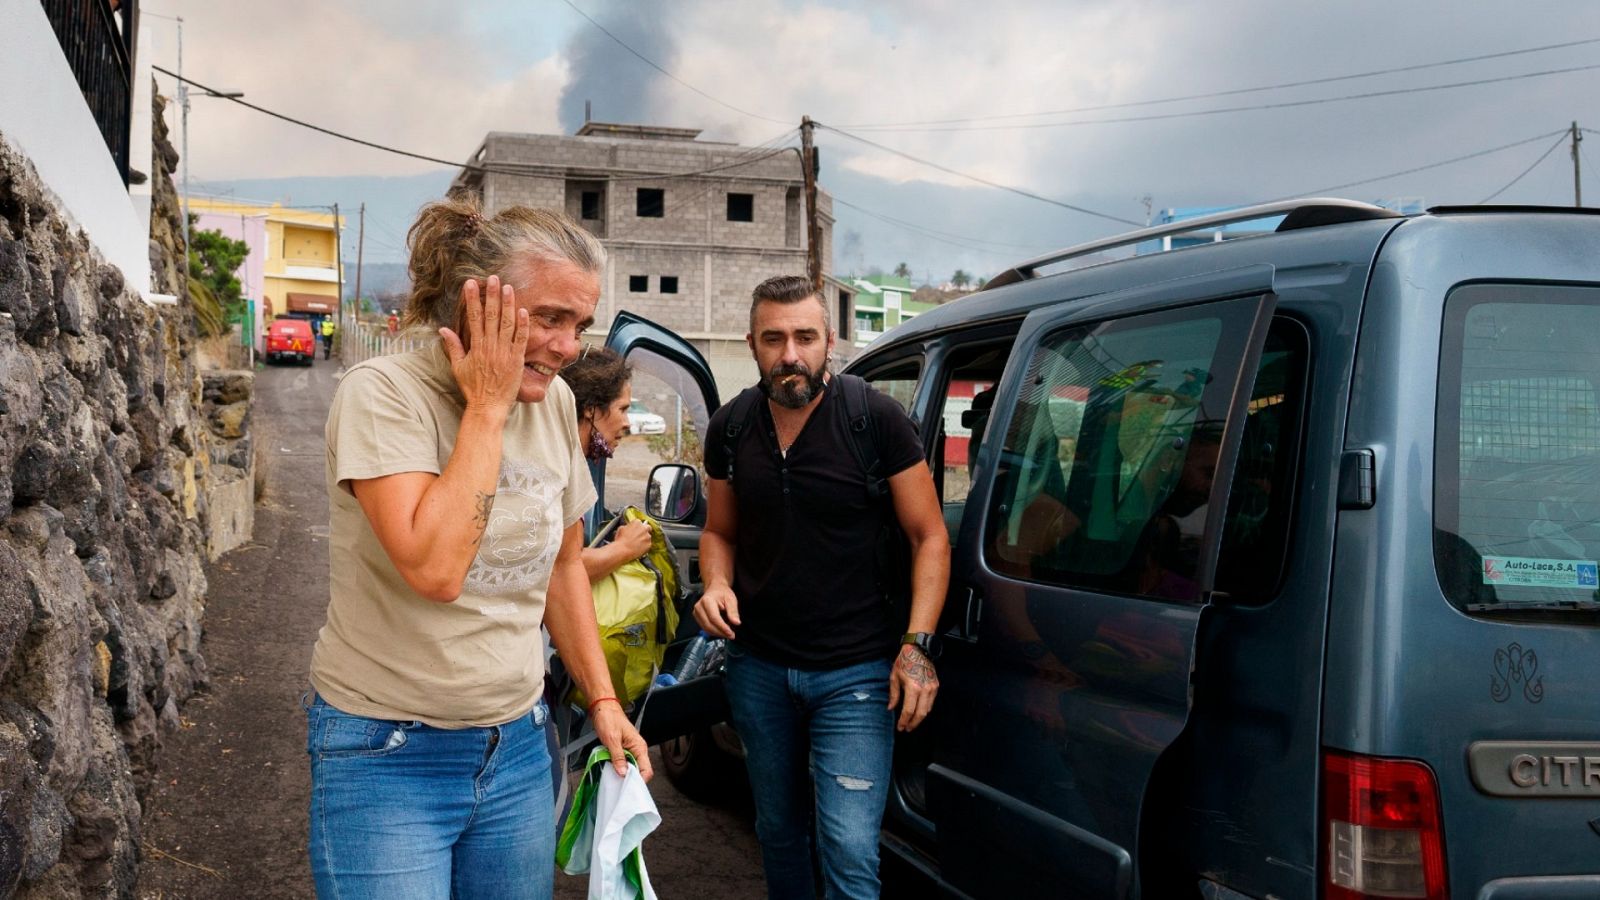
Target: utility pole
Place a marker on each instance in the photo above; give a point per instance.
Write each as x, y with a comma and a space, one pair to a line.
361, 243
338, 269
250, 327
183, 113
1577, 176
808, 166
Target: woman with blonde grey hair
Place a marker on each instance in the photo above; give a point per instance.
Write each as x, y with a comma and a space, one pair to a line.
456, 488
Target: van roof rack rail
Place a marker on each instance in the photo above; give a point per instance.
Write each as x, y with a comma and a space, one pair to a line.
1511, 208
1302, 213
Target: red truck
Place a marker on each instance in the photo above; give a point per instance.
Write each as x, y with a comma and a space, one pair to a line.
291, 338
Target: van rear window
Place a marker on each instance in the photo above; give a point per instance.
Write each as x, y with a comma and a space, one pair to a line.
1517, 457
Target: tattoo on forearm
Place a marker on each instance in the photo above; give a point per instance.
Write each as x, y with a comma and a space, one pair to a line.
918, 668
484, 503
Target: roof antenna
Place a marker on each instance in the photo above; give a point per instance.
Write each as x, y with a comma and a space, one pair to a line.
586, 110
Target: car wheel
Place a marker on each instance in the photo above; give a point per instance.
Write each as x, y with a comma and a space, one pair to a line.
702, 771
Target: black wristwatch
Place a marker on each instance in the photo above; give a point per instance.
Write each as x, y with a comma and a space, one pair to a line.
926, 641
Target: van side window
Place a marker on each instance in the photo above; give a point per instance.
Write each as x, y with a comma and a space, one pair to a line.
1106, 470
1517, 450
1255, 535
898, 381
971, 377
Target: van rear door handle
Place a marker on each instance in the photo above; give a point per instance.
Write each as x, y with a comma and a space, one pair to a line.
1358, 479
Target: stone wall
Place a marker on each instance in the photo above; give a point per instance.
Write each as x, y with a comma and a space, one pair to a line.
106, 466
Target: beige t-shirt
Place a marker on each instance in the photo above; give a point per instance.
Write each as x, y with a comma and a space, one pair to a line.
386, 651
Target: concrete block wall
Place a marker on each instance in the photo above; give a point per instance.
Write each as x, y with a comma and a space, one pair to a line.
685, 218
501, 191
681, 312
713, 285
736, 275
716, 262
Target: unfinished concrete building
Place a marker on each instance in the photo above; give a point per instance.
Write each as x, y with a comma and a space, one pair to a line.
690, 226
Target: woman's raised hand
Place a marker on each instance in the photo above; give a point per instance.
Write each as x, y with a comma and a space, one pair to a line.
488, 364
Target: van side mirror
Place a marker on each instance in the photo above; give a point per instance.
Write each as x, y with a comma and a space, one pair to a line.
673, 492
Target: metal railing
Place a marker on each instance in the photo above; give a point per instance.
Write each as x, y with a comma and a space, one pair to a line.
100, 51
363, 340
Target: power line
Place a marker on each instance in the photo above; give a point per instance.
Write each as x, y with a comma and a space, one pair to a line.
956, 240
983, 181
1285, 104
738, 161
1233, 92
1542, 157
475, 167
305, 124
652, 64
1433, 165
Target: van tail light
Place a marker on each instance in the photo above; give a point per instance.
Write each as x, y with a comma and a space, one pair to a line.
1381, 829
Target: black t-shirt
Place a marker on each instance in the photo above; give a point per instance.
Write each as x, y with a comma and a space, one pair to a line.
804, 551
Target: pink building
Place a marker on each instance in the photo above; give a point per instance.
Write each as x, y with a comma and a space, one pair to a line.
252, 229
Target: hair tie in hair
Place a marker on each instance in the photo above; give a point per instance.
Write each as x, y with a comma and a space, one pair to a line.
474, 221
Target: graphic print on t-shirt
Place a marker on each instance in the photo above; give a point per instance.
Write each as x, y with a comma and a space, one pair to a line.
519, 546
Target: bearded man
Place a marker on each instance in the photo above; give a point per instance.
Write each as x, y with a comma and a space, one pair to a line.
821, 667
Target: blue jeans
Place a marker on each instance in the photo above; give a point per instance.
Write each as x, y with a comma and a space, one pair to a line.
815, 741
403, 810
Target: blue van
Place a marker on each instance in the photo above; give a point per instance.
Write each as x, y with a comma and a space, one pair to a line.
1276, 565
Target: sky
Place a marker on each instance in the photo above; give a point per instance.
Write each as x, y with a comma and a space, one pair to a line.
435, 77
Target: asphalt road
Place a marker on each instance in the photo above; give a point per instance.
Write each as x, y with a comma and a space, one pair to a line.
228, 815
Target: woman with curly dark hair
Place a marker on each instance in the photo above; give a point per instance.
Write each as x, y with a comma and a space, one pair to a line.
601, 386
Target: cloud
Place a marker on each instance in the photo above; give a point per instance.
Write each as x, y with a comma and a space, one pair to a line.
403, 75
433, 78
907, 62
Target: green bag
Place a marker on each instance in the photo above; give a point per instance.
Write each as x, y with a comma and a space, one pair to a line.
636, 607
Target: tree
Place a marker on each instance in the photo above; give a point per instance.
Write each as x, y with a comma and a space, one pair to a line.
384, 302
213, 258
981, 282
902, 271
208, 318
961, 279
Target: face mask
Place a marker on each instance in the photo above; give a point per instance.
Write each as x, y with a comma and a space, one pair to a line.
599, 447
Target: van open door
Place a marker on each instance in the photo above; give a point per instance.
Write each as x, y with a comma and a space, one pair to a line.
671, 380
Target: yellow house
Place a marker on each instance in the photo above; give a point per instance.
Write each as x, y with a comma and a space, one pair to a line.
294, 264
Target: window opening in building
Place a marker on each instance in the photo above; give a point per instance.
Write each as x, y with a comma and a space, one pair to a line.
638, 284
652, 203
791, 218
590, 204
669, 284
741, 207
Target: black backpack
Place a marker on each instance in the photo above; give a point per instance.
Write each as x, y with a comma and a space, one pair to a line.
891, 549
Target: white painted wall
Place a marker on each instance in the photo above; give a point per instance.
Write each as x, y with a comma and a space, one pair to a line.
42, 113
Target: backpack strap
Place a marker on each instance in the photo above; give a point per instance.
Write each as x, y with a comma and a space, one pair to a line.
863, 437
742, 410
